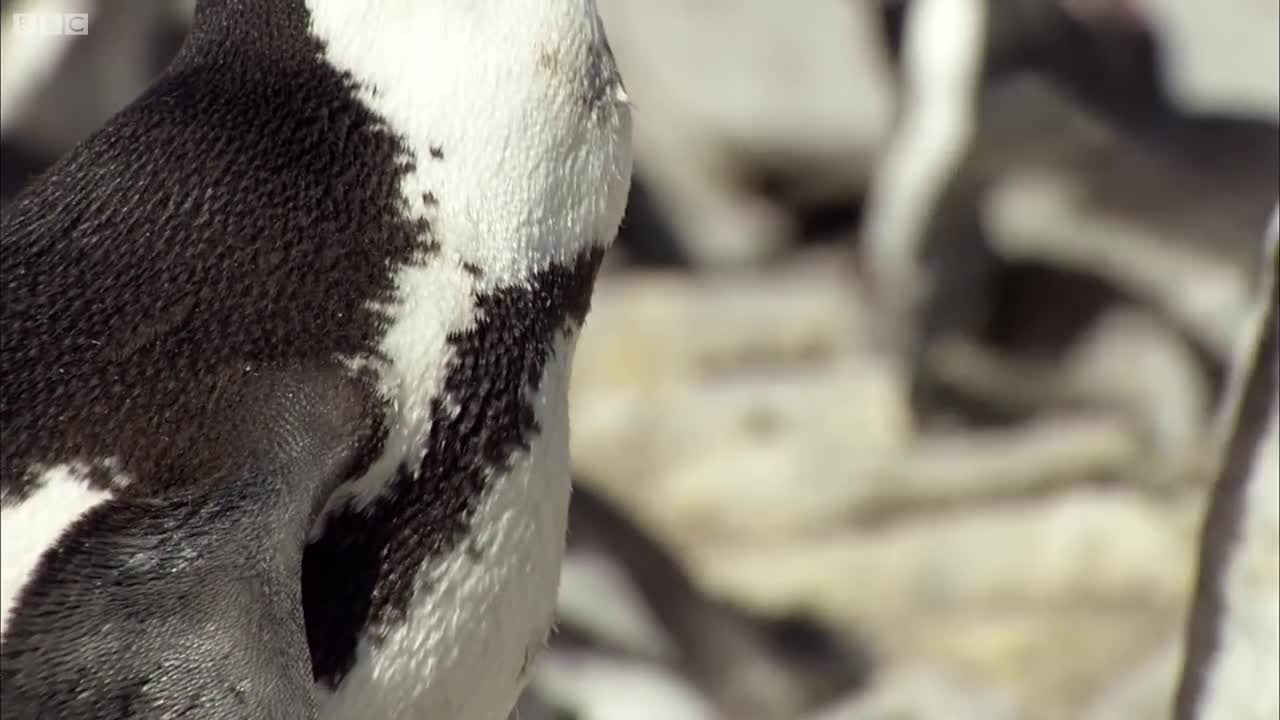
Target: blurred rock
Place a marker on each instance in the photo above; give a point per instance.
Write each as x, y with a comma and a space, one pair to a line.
751, 666
924, 694
1079, 548
780, 460
672, 372
991, 588
1143, 693
1128, 363
597, 596
725, 95
1035, 216
1207, 46
648, 329
600, 687
680, 385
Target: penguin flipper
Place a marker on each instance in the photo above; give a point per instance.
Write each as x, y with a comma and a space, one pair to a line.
191, 605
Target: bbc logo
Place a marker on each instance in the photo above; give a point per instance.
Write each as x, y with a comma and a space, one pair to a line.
51, 23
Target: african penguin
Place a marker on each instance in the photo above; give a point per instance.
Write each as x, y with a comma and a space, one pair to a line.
417, 193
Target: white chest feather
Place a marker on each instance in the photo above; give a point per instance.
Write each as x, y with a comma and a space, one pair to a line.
480, 614
62, 495
520, 164
515, 170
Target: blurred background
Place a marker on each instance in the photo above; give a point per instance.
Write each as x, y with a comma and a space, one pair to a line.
898, 399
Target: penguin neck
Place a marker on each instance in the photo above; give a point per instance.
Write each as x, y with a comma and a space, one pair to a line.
505, 108
265, 26
272, 26
493, 100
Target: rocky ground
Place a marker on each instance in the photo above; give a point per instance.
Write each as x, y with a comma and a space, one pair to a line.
1001, 520
899, 398
1032, 567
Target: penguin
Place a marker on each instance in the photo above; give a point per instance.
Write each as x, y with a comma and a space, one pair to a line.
414, 196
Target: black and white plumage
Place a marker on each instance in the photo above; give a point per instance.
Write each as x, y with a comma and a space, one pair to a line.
419, 193
164, 606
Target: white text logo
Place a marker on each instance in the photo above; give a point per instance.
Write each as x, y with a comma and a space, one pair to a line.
51, 23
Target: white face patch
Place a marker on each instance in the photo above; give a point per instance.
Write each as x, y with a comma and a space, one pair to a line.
514, 170
32, 526
521, 163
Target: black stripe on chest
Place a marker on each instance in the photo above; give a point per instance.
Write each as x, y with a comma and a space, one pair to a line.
359, 575
243, 214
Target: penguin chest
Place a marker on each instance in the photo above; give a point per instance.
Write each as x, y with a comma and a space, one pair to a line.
468, 619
